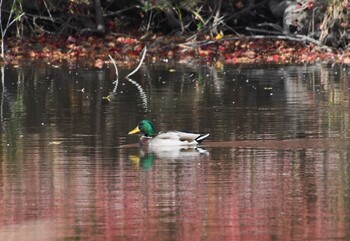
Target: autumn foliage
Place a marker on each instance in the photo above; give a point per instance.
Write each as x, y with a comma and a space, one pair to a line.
225, 31
126, 50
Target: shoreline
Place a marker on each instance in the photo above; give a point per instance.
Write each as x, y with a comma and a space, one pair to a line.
126, 49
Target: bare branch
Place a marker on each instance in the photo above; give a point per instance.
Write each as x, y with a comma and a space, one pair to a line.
115, 66
144, 51
3, 30
298, 38
272, 25
116, 73
263, 31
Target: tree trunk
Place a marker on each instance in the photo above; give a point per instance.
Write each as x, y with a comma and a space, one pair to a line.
99, 16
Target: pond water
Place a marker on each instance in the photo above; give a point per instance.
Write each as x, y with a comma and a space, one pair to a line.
276, 165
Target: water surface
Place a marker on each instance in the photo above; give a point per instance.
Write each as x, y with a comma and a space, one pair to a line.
275, 167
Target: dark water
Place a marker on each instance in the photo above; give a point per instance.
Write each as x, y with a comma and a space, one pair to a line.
276, 165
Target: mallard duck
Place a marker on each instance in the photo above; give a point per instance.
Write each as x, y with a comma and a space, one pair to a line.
170, 138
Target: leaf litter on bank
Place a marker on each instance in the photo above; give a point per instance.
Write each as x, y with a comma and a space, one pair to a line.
126, 50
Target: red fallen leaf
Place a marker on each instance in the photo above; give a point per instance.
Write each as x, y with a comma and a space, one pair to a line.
126, 40
234, 60
310, 4
83, 53
311, 58
170, 54
243, 60
111, 44
276, 58
222, 48
205, 52
71, 39
40, 55
346, 60
227, 56
253, 45
344, 24
73, 53
113, 50
32, 54
228, 61
71, 46
244, 45
57, 54
111, 25
47, 48
250, 54
99, 63
110, 38
41, 38
154, 58
17, 50
138, 48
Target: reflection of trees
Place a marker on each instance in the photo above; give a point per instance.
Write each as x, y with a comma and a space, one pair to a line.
239, 102
282, 190
288, 99
318, 95
12, 112
59, 158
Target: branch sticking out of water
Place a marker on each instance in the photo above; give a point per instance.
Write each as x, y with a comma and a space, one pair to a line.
142, 93
144, 51
115, 67
116, 73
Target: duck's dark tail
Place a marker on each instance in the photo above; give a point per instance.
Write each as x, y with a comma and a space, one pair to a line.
200, 138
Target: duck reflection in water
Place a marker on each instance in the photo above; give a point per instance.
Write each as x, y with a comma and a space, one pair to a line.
148, 155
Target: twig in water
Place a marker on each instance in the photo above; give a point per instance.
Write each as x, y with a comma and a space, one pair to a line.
108, 97
115, 66
116, 73
144, 51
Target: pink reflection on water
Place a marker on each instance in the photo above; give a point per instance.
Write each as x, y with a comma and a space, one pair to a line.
233, 194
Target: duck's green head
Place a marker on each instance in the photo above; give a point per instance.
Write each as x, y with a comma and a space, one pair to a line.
145, 127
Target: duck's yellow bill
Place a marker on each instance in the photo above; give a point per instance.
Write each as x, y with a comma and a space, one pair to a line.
134, 131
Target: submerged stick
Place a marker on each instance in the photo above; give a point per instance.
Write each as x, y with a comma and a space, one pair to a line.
144, 51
